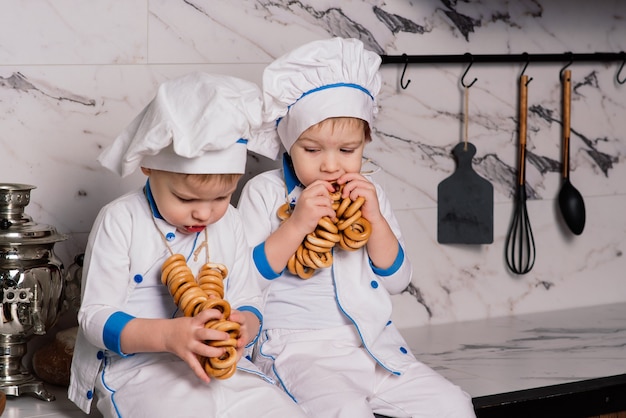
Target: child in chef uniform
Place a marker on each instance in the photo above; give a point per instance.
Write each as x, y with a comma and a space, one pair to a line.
329, 340
134, 351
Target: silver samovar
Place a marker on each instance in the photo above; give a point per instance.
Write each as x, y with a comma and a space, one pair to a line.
31, 288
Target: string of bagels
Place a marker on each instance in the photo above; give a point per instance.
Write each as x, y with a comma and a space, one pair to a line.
348, 229
193, 295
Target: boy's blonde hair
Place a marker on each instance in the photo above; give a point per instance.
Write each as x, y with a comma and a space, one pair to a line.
215, 178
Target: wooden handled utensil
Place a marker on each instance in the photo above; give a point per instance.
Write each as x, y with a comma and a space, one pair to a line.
571, 202
520, 244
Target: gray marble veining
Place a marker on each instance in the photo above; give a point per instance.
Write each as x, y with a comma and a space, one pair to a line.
73, 75
526, 351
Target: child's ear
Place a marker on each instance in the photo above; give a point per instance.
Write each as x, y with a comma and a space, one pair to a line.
146, 171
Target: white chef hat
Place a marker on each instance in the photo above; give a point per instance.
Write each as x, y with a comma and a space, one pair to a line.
197, 124
327, 78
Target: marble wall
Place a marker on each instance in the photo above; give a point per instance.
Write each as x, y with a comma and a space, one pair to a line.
74, 73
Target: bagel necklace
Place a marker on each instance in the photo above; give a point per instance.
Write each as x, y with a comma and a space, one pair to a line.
348, 229
193, 295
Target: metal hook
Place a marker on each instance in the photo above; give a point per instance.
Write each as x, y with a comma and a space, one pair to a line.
620, 69
466, 70
571, 60
525, 66
406, 63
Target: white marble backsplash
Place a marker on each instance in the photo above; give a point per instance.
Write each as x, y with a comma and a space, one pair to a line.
73, 74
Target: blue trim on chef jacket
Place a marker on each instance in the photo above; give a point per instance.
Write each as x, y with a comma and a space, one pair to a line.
113, 330
261, 263
255, 371
193, 247
155, 211
242, 141
291, 180
356, 326
393, 268
151, 202
258, 314
110, 389
280, 380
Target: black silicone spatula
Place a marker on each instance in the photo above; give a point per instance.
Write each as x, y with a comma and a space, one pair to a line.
464, 203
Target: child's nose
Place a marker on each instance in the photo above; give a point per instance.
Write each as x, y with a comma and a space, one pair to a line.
330, 164
202, 213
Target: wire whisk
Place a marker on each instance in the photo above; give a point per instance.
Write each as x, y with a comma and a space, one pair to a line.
520, 243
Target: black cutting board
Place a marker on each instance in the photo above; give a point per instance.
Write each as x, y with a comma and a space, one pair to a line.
464, 203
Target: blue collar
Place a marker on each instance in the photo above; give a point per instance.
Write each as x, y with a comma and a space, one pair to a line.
291, 180
151, 202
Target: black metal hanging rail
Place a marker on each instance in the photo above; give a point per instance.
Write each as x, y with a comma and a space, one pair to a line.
525, 57
503, 58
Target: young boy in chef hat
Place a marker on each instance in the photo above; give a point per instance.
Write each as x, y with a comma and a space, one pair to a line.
134, 351
329, 339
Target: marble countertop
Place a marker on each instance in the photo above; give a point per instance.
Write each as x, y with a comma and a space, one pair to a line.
525, 352
490, 358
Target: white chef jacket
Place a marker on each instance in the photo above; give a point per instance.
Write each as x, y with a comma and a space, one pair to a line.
362, 291
122, 280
